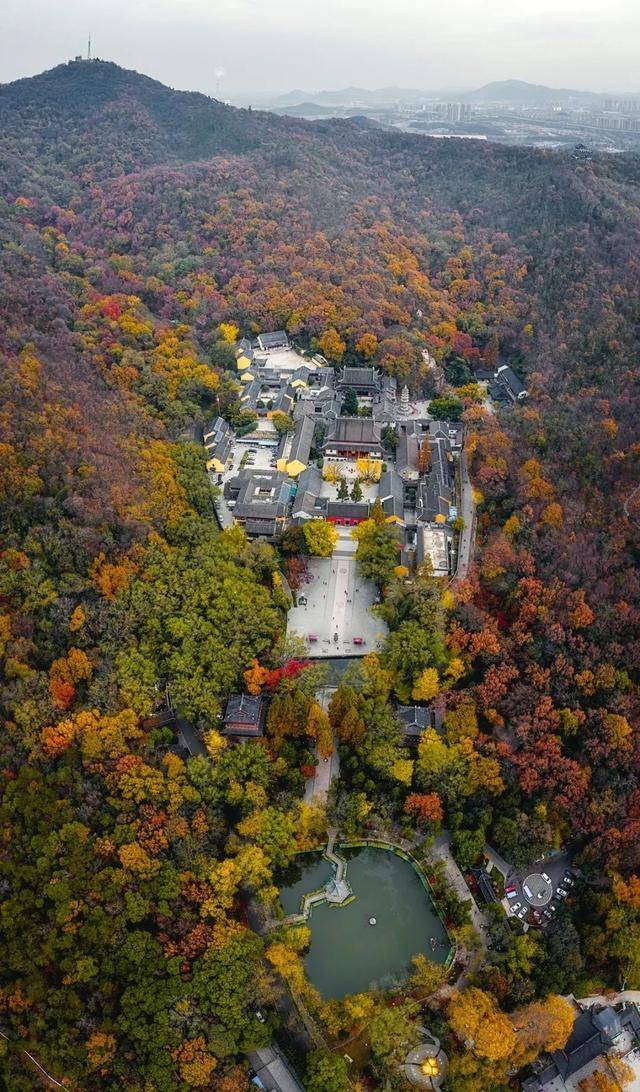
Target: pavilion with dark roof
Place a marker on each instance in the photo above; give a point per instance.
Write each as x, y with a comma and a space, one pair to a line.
244, 717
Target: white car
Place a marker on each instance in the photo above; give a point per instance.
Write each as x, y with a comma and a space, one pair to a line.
545, 878
512, 894
568, 881
516, 906
522, 913
561, 893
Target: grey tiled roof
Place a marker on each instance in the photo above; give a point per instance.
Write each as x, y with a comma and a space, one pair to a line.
354, 430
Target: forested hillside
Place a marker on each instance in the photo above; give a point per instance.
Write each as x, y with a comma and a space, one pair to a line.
134, 220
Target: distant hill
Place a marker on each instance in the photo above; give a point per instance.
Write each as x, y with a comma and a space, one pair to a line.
531, 94
347, 96
305, 110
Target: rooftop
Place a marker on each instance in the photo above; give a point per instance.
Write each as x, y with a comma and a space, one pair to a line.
244, 714
359, 377
354, 430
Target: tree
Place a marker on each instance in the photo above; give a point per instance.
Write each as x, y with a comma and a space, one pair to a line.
426, 685
228, 332
282, 422
467, 846
319, 728
426, 808
461, 723
327, 1072
377, 551
255, 677
410, 650
446, 408
343, 490
475, 1017
426, 976
321, 537
356, 492
424, 456
544, 1025
350, 403
600, 1081
391, 1033
331, 345
367, 345
369, 469
490, 353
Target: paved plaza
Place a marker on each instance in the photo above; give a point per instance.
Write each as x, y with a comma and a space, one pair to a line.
336, 601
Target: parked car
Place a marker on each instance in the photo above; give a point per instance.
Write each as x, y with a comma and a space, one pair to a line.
561, 893
545, 878
547, 914
522, 913
527, 891
552, 907
515, 907
511, 892
568, 881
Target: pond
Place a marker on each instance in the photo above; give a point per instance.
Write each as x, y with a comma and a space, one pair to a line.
347, 954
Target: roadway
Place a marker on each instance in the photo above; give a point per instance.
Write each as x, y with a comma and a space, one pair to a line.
466, 542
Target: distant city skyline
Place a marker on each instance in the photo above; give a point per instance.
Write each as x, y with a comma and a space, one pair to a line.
245, 47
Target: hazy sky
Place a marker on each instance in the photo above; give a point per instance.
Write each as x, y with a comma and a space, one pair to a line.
276, 45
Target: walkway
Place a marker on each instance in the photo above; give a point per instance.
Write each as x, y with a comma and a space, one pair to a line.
331, 855
336, 891
468, 512
632, 996
51, 1080
504, 868
317, 787
442, 852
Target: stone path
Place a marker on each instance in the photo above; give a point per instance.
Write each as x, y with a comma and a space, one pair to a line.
442, 852
317, 787
504, 868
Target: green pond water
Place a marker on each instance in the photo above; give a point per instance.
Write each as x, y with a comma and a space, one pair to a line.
347, 955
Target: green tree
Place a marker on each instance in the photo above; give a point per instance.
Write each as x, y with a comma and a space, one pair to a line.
446, 408
408, 651
350, 403
467, 846
392, 1032
356, 491
343, 489
377, 552
327, 1072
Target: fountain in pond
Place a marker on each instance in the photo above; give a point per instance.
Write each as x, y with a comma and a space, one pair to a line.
372, 921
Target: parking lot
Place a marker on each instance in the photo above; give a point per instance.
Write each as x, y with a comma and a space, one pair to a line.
533, 894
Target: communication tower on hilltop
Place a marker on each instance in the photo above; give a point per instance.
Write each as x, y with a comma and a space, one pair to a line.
89, 48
